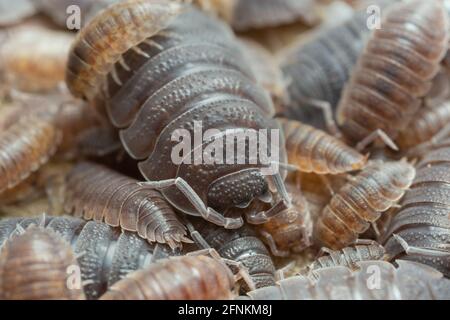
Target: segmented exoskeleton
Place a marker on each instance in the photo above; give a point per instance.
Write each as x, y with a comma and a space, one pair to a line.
95, 192
361, 201
170, 67
395, 70
35, 264
241, 245
105, 254
313, 150
410, 281
420, 231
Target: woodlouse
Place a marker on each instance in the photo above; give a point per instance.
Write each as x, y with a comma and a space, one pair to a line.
193, 70
423, 222
95, 192
395, 70
361, 201
35, 264
313, 150
105, 255
410, 281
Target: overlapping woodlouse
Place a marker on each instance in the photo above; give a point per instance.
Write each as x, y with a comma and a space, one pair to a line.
241, 245
105, 255
410, 281
178, 278
361, 201
181, 66
347, 257
34, 59
35, 264
313, 150
95, 192
395, 71
422, 225
318, 69
14, 12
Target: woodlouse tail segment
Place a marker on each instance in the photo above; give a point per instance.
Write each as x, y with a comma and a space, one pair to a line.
100, 44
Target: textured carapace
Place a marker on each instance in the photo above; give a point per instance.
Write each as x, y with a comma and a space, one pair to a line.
241, 245
361, 201
178, 278
423, 221
112, 32
313, 150
36, 264
27, 145
95, 192
346, 257
410, 281
395, 70
105, 254
318, 69
12, 12
34, 58
191, 73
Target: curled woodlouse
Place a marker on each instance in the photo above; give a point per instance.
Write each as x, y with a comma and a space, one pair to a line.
177, 278
241, 245
95, 192
192, 71
313, 150
34, 59
105, 254
14, 12
36, 264
422, 225
395, 70
361, 201
410, 281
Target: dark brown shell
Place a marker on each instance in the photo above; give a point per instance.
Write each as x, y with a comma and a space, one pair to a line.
179, 278
35, 264
97, 193
361, 201
395, 70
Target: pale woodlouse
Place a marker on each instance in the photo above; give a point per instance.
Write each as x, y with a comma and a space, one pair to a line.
166, 81
395, 70
362, 201
35, 264
95, 192
409, 281
422, 225
105, 254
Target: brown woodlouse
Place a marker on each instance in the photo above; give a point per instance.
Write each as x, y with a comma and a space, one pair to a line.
97, 193
410, 281
395, 70
313, 150
35, 264
192, 70
422, 225
241, 245
361, 201
105, 254
178, 278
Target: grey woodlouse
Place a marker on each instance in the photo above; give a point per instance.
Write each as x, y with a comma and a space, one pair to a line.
423, 222
395, 70
179, 63
34, 264
361, 201
105, 255
95, 192
410, 281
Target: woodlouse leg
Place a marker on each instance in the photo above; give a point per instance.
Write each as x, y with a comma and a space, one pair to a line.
196, 236
154, 44
115, 76
140, 52
279, 274
377, 134
327, 112
124, 64
322, 252
419, 251
242, 273
327, 184
272, 245
281, 188
433, 142
365, 242
207, 213
264, 216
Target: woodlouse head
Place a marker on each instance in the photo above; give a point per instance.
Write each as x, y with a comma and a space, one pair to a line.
110, 34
